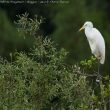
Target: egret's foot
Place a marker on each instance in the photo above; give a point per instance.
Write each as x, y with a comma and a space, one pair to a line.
98, 79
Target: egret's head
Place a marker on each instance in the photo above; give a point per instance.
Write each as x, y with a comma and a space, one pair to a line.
86, 24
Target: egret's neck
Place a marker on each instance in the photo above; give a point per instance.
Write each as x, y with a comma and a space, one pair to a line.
88, 28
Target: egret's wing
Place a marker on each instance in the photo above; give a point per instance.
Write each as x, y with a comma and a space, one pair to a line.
92, 46
99, 45
96, 43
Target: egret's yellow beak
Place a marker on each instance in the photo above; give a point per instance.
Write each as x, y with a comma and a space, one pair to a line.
81, 28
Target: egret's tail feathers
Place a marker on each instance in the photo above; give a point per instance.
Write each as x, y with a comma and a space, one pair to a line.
102, 60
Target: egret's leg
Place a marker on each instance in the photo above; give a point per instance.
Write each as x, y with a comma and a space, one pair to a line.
98, 67
98, 71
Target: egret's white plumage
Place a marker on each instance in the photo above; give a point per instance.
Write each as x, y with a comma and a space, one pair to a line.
96, 41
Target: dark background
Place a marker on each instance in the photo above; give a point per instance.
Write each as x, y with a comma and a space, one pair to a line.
61, 23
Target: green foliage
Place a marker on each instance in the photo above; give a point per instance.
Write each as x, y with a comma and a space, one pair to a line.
88, 63
28, 26
41, 80
10, 40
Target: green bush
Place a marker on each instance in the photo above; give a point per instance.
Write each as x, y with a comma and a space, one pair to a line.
10, 39
41, 80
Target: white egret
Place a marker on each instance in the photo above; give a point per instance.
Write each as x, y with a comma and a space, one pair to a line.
96, 41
